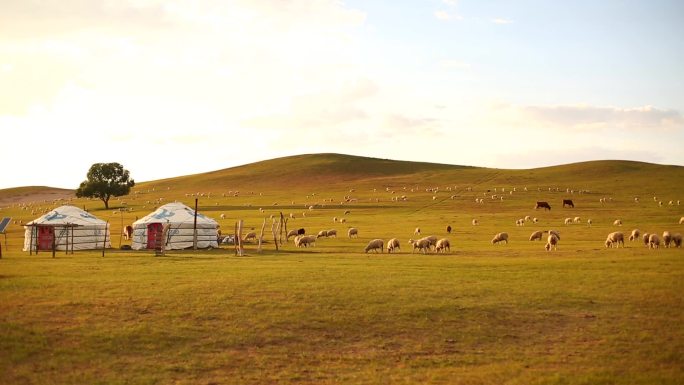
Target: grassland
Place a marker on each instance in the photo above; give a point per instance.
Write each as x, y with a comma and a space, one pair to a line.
482, 314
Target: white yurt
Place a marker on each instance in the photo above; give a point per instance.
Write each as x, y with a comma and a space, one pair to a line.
67, 226
180, 220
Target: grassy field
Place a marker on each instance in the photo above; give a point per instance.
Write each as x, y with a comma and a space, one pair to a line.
481, 314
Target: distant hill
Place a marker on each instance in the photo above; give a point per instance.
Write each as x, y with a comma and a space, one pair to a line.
33, 194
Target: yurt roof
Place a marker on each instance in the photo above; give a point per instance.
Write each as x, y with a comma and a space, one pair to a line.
68, 215
174, 213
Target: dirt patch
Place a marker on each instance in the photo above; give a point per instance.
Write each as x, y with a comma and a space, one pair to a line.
39, 196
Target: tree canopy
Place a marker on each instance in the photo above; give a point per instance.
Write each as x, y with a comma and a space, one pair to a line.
105, 180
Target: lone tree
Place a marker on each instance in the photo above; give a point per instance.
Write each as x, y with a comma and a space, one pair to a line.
105, 180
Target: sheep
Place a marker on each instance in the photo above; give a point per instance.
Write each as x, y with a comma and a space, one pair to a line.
551, 242
568, 221
128, 232
576, 219
332, 233
476, 222
222, 216
448, 229
535, 220
536, 236
416, 231
392, 245
653, 241
555, 232
335, 219
520, 222
375, 244
667, 238
343, 220
528, 218
353, 232
421, 244
305, 240
646, 238
634, 235
615, 238
291, 233
617, 222
589, 222
499, 237
250, 235
677, 240
681, 220
322, 233
443, 245
432, 239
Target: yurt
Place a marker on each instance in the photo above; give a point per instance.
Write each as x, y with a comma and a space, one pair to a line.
70, 228
148, 231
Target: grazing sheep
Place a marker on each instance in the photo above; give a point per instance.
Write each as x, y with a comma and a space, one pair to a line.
291, 233
615, 238
353, 232
528, 218
417, 231
301, 231
448, 229
677, 240
681, 220
667, 238
432, 239
617, 222
634, 235
421, 244
332, 233
536, 236
653, 241
589, 222
500, 237
305, 240
322, 233
568, 221
535, 220
443, 245
646, 238
576, 219
556, 233
476, 222
250, 235
343, 220
520, 222
347, 212
375, 244
222, 216
393, 245
551, 242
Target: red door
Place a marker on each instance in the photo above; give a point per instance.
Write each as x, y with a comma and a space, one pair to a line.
45, 236
154, 235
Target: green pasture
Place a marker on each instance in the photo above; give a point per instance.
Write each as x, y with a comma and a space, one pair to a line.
480, 314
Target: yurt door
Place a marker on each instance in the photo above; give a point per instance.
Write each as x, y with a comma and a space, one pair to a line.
154, 235
45, 236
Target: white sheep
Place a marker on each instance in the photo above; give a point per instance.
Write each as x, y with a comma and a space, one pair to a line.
222, 216
576, 219
568, 221
520, 222
417, 231
305, 240
343, 220
322, 233
335, 219
500, 237
249, 236
476, 222
681, 220
617, 222
375, 244
634, 235
551, 242
646, 237
291, 233
353, 232
536, 236
667, 238
421, 244
393, 245
653, 241
615, 238
589, 222
332, 233
535, 220
556, 233
677, 240
443, 245
528, 218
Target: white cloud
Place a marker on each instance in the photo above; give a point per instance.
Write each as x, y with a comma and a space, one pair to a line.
591, 118
500, 20
447, 16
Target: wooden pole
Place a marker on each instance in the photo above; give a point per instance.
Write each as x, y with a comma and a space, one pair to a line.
235, 238
104, 244
239, 239
280, 227
66, 238
31, 241
53, 242
72, 240
122, 229
194, 228
261, 236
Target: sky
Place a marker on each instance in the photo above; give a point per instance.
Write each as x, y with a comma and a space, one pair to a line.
177, 87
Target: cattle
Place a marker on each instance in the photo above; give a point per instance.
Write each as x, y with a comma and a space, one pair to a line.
544, 205
568, 202
128, 232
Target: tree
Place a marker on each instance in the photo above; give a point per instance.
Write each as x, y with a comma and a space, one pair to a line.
105, 180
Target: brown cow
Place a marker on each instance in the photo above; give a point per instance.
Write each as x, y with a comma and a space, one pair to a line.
128, 232
568, 202
542, 205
